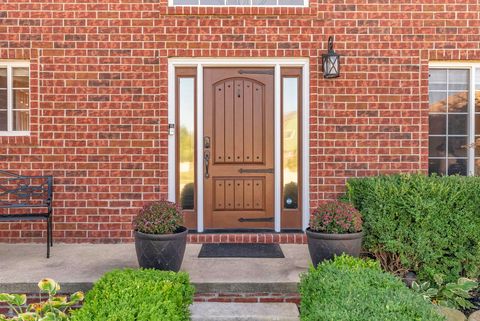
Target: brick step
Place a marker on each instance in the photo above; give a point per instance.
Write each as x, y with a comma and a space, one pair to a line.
262, 237
249, 297
210, 311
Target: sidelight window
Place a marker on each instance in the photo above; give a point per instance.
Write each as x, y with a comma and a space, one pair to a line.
186, 139
291, 102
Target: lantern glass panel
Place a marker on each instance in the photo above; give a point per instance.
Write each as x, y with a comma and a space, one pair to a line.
331, 65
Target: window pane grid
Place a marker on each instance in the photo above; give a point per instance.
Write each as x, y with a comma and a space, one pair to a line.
14, 98
448, 121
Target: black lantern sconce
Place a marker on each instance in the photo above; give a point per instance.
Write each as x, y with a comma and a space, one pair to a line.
331, 61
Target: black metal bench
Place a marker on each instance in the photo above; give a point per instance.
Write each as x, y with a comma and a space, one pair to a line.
27, 198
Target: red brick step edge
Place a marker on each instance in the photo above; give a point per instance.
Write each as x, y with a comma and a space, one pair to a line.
284, 238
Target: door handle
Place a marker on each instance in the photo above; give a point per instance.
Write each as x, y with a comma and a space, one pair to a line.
206, 158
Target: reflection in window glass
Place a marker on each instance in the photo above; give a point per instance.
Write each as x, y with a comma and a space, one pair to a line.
3, 99
477, 122
186, 101
21, 99
448, 121
14, 98
290, 142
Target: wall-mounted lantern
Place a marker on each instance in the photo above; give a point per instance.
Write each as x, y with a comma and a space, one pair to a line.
331, 61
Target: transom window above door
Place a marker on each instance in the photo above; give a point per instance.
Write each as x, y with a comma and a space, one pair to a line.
240, 3
454, 120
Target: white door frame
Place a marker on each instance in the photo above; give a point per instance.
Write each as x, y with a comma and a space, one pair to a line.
277, 63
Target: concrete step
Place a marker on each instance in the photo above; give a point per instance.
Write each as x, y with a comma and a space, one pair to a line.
212, 311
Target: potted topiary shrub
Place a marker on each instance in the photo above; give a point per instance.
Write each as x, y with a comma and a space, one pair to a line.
160, 238
335, 228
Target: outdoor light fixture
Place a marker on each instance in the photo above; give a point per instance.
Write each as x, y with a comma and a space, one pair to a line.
331, 61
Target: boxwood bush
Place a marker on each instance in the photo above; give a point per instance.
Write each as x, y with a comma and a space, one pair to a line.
350, 289
138, 295
426, 224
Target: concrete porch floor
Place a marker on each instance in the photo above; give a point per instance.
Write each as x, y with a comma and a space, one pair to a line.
78, 266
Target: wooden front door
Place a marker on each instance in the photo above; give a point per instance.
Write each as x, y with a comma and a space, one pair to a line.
238, 148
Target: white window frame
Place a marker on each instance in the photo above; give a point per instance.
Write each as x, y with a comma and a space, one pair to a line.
10, 65
225, 5
277, 64
471, 67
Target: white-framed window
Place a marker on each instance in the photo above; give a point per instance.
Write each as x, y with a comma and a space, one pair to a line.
239, 3
14, 98
454, 119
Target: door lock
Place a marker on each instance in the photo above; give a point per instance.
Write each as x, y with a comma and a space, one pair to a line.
206, 142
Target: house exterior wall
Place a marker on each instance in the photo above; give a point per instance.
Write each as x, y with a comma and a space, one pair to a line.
99, 92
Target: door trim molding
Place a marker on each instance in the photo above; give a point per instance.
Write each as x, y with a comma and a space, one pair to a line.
277, 63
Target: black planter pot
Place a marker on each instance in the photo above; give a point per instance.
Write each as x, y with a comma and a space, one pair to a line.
161, 251
324, 246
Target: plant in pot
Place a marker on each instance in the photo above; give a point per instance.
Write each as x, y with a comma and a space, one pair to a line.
160, 238
335, 228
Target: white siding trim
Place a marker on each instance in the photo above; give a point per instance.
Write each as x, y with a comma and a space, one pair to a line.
277, 120
306, 146
171, 138
199, 209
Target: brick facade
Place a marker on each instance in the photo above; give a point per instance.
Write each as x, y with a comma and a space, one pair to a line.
99, 92
230, 297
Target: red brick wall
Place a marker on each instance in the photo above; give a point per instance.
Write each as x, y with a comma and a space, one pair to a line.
232, 297
99, 92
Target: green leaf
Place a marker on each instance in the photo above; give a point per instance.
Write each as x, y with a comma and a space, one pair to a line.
431, 292
77, 297
28, 316
438, 279
19, 299
7, 298
49, 316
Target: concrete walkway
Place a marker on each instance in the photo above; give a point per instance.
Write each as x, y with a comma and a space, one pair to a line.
244, 312
77, 266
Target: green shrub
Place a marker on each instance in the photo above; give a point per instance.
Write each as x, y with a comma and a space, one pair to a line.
426, 224
138, 295
349, 289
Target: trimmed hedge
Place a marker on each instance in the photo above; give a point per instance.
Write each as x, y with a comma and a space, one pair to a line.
138, 295
426, 224
349, 289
